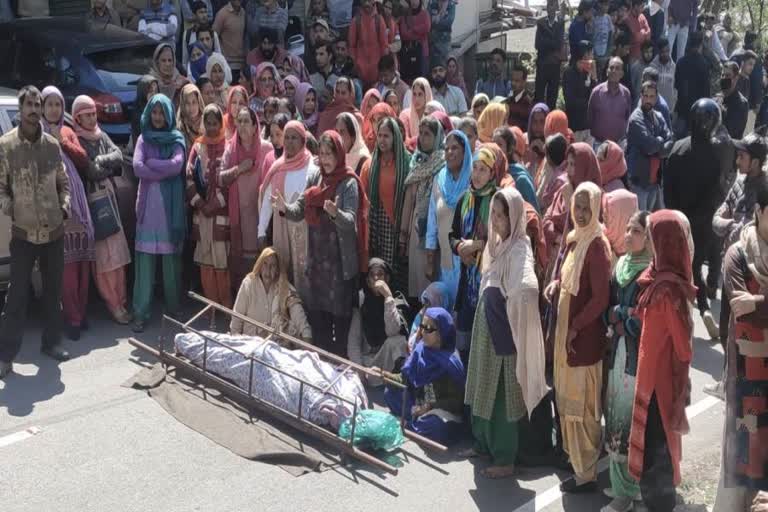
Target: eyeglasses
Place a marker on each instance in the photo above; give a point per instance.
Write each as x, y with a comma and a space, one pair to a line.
429, 329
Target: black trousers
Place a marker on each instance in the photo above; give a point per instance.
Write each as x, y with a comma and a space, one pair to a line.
330, 332
547, 83
657, 485
23, 257
706, 249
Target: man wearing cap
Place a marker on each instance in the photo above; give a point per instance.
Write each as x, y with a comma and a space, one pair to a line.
449, 96
267, 15
730, 218
324, 79
319, 33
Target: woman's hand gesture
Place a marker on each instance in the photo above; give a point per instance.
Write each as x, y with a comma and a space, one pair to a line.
278, 202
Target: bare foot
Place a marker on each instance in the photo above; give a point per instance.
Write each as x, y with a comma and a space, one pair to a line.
498, 472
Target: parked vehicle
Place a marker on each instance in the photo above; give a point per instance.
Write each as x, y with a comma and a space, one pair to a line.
79, 57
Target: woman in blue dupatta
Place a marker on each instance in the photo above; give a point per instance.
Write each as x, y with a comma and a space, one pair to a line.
435, 378
437, 294
158, 162
448, 187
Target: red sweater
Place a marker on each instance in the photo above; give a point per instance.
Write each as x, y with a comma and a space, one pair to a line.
416, 27
585, 315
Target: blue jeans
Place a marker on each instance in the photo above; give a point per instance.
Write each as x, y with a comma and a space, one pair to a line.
648, 198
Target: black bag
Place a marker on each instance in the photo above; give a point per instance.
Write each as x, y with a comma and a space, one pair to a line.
104, 212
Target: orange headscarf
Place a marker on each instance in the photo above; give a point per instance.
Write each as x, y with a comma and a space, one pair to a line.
557, 122
377, 113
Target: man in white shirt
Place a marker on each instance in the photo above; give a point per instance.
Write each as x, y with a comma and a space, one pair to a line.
159, 22
449, 96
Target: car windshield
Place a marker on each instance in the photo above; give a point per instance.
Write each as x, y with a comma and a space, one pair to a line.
120, 69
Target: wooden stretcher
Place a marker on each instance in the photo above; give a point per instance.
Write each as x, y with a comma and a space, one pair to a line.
180, 364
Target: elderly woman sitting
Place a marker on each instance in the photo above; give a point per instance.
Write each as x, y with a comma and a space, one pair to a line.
435, 377
266, 296
377, 333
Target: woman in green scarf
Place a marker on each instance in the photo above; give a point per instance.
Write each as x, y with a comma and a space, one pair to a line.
469, 234
426, 162
383, 177
158, 161
620, 394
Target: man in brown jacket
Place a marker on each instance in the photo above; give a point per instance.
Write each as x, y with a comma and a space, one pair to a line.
34, 192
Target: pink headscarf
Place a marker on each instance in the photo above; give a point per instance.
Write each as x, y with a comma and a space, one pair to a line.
412, 119
301, 98
618, 207
284, 165
372, 93
613, 165
85, 105
295, 82
261, 92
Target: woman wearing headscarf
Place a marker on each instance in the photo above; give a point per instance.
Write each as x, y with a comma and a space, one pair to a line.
505, 379
290, 86
437, 294
371, 98
210, 218
444, 120
198, 59
146, 87
335, 208
421, 94
371, 123
555, 123
662, 388
383, 177
618, 207
613, 166
241, 175
581, 293
391, 98
378, 328
354, 144
625, 328
447, 189
288, 177
535, 138
267, 297
479, 103
79, 251
500, 167
494, 116
469, 233
581, 167
343, 101
426, 162
220, 74
455, 77
169, 80
161, 220
266, 84
507, 141
236, 100
306, 104
435, 377
189, 117
105, 162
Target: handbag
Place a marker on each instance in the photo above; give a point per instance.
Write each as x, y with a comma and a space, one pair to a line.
104, 212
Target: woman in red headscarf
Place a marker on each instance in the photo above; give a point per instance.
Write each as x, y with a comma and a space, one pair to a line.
613, 165
335, 208
377, 113
370, 100
555, 122
242, 164
343, 101
662, 387
288, 177
237, 99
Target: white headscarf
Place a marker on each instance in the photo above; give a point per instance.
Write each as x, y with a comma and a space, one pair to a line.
509, 265
217, 58
359, 150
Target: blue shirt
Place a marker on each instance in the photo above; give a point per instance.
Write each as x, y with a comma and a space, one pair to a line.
602, 27
662, 107
578, 32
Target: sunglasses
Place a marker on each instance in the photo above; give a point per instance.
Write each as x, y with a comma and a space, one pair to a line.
427, 328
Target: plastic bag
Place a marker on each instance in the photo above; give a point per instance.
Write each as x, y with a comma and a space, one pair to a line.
375, 430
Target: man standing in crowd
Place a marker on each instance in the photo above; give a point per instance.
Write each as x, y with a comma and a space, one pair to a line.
265, 14
755, 72
691, 81
519, 102
648, 141
550, 38
610, 105
664, 64
230, 25
496, 84
581, 26
389, 79
679, 16
324, 79
638, 28
734, 105
102, 14
449, 96
367, 41
602, 35
159, 22
34, 192
662, 107
579, 78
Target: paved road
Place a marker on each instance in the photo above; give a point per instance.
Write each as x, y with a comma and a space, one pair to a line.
103, 447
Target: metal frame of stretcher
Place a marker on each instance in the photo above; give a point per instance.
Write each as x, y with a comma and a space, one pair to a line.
246, 397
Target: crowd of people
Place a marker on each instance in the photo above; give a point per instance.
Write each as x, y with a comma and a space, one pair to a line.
360, 200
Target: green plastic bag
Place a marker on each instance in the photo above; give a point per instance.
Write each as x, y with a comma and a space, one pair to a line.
375, 430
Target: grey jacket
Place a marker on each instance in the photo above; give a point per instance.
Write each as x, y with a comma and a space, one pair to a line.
34, 188
347, 201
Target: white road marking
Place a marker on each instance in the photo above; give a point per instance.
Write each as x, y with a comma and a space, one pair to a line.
19, 436
551, 495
